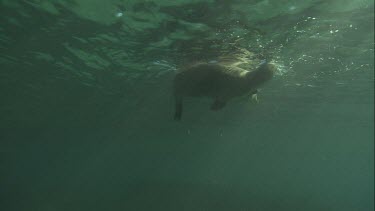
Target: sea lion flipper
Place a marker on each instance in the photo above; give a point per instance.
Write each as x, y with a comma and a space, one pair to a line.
218, 104
254, 96
178, 108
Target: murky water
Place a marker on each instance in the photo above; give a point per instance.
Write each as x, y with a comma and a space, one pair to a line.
87, 109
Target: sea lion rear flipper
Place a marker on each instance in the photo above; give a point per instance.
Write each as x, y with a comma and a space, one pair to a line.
218, 104
178, 109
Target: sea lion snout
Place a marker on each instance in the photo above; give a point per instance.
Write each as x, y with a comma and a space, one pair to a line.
264, 72
268, 67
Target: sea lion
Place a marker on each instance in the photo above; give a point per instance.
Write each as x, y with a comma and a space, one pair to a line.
221, 82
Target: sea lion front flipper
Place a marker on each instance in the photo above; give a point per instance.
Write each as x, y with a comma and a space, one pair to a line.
218, 104
178, 109
254, 96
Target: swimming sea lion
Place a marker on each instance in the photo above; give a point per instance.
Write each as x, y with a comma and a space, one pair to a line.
218, 81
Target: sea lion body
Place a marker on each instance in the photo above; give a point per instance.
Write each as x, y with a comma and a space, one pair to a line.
210, 80
218, 81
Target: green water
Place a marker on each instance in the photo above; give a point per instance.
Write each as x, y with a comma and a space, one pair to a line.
86, 110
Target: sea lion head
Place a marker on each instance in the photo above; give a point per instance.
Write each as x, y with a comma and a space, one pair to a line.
262, 74
266, 70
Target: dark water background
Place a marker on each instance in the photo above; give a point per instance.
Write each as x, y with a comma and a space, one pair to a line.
86, 108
